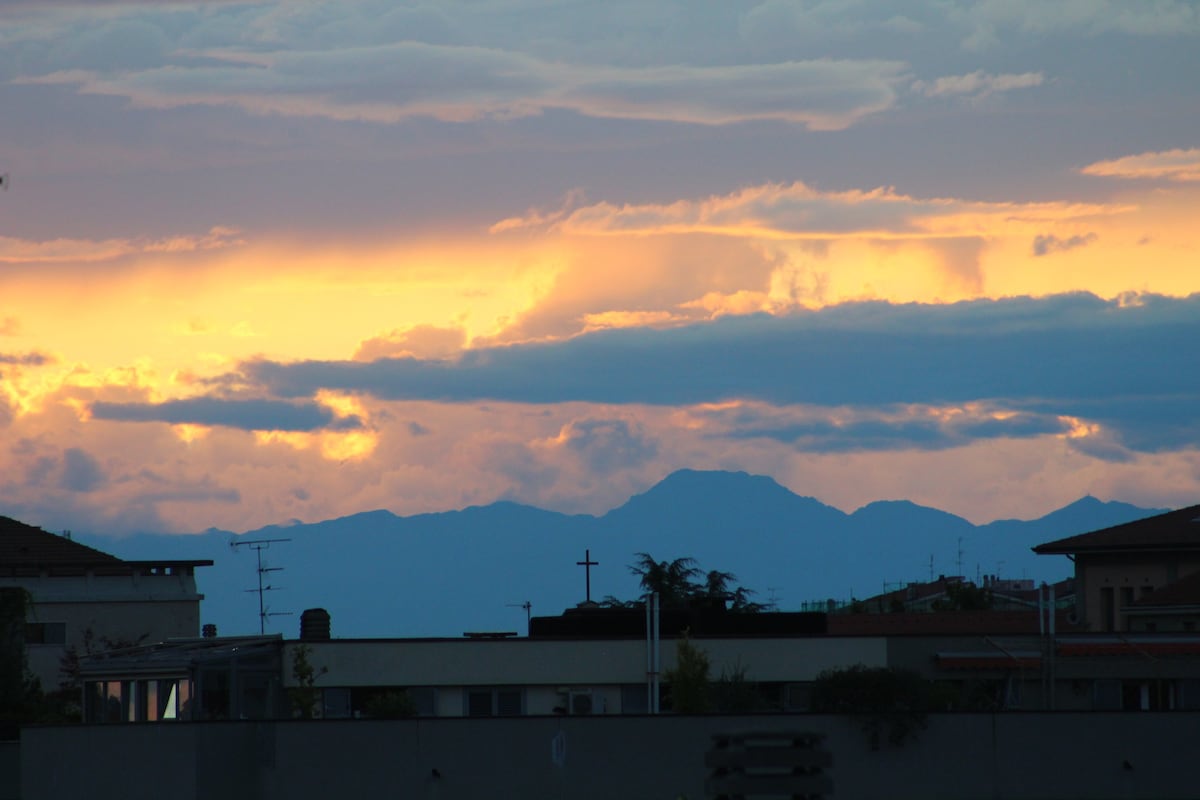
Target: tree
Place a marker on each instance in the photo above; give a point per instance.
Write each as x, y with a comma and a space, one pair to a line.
882, 697
964, 596
671, 580
392, 704
305, 694
732, 693
691, 690
678, 583
19, 693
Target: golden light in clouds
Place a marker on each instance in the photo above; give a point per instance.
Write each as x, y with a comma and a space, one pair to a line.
1176, 165
155, 326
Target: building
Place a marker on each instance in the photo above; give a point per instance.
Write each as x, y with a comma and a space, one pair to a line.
1132, 576
1033, 650
83, 600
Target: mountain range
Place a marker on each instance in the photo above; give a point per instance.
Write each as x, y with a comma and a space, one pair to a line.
441, 574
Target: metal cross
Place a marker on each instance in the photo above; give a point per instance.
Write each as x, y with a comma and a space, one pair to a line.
587, 565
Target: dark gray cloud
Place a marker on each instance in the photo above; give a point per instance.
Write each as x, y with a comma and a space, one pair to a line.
250, 415
871, 353
81, 471
1050, 356
1045, 244
609, 444
26, 359
895, 432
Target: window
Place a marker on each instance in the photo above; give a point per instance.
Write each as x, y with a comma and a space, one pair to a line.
1106, 695
1108, 611
425, 700
335, 703
1189, 694
798, 697
45, 633
495, 702
581, 703
633, 699
508, 703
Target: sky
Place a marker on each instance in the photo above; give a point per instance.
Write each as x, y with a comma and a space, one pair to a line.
279, 261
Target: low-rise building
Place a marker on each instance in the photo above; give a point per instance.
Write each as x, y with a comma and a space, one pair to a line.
1119, 569
83, 600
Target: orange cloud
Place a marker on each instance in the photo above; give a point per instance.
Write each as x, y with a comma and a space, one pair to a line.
25, 251
1175, 165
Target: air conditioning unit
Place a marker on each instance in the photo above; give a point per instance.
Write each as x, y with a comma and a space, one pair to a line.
581, 703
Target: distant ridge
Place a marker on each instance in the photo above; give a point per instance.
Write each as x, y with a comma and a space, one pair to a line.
438, 574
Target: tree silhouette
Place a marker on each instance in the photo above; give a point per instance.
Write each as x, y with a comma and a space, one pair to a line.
671, 580
678, 583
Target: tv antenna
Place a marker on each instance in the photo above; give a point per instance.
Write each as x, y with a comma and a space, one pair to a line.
258, 545
528, 606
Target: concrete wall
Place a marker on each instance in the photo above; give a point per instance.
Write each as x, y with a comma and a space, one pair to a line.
1015, 756
145, 620
1095, 572
10, 770
550, 662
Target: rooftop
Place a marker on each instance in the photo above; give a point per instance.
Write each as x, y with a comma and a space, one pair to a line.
22, 544
1175, 530
26, 549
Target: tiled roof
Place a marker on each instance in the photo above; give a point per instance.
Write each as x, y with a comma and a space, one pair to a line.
1175, 530
24, 545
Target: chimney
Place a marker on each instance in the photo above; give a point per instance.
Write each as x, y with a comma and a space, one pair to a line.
314, 625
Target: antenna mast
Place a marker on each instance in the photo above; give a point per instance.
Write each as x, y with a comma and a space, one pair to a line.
528, 606
258, 545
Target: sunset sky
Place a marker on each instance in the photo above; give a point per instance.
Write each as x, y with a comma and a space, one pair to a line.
294, 260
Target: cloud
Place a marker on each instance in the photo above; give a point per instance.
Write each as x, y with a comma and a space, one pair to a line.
26, 359
607, 445
469, 83
979, 84
1091, 18
1033, 356
798, 211
81, 472
250, 415
846, 429
419, 341
1174, 165
25, 251
1044, 244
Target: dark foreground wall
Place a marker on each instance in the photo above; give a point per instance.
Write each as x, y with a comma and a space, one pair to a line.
1012, 756
10, 770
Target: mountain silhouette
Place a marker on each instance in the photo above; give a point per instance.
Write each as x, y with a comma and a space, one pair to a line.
440, 574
